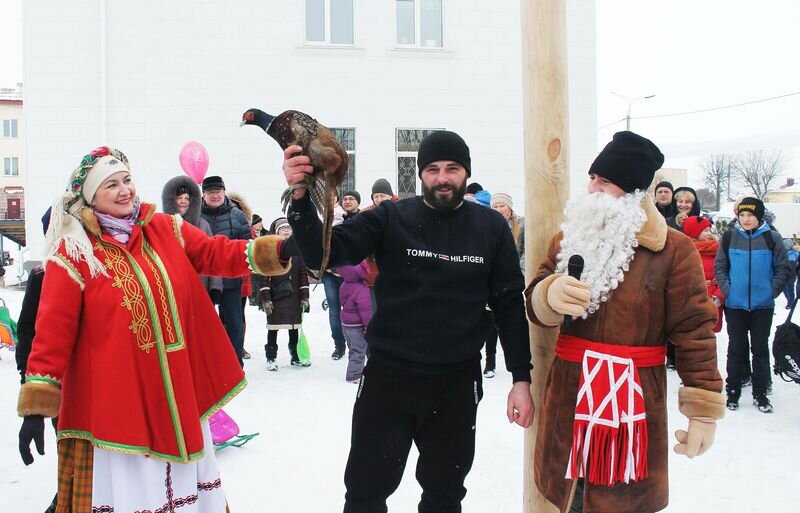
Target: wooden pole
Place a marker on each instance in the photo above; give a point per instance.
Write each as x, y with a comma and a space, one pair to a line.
546, 130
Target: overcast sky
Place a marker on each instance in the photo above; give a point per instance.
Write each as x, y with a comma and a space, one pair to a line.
696, 55
691, 54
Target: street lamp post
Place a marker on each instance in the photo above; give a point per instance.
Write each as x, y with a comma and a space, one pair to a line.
630, 101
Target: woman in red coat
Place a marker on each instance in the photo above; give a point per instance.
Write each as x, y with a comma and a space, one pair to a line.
128, 352
699, 229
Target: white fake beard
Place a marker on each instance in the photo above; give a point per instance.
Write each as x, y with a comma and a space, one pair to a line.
602, 229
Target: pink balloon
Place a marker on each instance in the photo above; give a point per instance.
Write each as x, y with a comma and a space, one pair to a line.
194, 160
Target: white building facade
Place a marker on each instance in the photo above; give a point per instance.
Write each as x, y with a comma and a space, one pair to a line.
12, 164
149, 76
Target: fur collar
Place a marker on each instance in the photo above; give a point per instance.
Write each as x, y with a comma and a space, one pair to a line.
168, 196
240, 203
653, 234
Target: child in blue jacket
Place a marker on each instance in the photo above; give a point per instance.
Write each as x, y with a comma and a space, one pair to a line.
752, 269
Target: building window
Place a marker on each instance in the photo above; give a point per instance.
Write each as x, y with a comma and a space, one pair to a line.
347, 138
10, 128
419, 23
11, 166
329, 21
407, 144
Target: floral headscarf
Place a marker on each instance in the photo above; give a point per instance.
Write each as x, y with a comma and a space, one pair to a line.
66, 221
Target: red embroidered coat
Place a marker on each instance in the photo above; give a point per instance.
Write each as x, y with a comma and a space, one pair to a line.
141, 355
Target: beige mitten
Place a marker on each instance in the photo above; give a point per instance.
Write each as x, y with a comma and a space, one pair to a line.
568, 296
697, 438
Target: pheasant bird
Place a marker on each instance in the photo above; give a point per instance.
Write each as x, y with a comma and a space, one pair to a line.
328, 159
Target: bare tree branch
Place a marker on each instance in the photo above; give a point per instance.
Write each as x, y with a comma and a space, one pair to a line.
757, 170
717, 176
706, 198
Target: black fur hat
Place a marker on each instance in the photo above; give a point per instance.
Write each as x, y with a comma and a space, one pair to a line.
629, 161
213, 182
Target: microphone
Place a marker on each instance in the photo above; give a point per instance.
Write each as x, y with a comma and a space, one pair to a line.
574, 269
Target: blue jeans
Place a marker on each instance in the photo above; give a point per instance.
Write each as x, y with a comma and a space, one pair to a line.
230, 311
332, 284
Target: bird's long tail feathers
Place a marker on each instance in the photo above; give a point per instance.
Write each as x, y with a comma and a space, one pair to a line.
327, 224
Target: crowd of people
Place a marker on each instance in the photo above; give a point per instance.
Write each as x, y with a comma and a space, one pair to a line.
413, 297
746, 266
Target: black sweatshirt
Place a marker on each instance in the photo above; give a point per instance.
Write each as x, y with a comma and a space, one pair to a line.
438, 271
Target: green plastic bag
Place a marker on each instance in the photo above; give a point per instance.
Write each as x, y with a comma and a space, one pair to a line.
303, 351
8, 327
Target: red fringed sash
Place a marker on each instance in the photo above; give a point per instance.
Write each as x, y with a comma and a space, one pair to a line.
609, 437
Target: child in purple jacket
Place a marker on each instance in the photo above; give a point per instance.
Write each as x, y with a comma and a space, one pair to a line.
356, 311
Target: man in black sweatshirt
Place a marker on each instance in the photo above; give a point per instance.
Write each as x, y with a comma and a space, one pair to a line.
441, 260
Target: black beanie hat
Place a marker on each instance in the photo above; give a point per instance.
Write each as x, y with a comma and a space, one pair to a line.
666, 184
753, 205
629, 161
474, 187
354, 194
212, 182
256, 219
382, 185
443, 145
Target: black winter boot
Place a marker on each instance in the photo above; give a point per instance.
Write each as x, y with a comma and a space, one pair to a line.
297, 362
732, 402
762, 403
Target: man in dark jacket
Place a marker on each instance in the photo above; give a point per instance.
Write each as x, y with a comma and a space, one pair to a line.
227, 220
422, 382
350, 203
663, 196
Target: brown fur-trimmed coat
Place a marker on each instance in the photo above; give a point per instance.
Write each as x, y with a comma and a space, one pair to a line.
663, 298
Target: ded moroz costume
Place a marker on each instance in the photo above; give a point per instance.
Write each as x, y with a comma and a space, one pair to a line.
602, 437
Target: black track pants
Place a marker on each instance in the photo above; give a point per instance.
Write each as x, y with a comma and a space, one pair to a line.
395, 407
757, 324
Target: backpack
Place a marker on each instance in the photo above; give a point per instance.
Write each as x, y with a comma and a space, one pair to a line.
726, 241
786, 349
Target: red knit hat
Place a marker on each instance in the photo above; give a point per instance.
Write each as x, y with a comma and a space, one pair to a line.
693, 226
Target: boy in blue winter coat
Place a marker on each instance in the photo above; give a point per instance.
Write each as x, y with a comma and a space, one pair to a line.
752, 269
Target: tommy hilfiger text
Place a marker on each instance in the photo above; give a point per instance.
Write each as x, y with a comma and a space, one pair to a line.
423, 253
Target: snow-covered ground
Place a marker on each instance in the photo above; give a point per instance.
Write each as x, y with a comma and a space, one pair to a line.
303, 417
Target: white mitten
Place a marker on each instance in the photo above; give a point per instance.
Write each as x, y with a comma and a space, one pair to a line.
568, 296
697, 438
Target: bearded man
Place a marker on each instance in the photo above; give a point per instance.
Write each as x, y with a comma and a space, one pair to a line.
422, 382
602, 437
